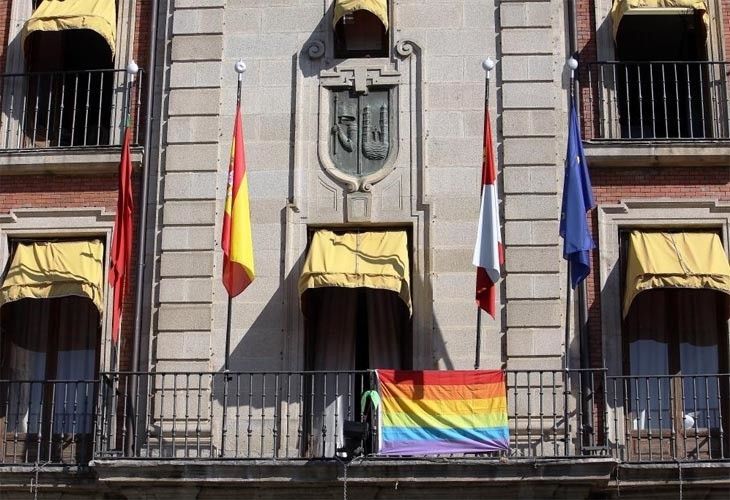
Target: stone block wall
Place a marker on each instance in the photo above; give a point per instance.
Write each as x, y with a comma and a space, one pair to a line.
441, 99
533, 100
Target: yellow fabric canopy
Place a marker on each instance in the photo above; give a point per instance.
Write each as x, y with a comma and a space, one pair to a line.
377, 259
377, 7
41, 270
56, 15
675, 260
621, 8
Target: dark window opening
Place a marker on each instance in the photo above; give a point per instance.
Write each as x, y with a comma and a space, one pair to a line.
70, 89
663, 81
50, 353
348, 331
360, 34
49, 358
675, 345
356, 329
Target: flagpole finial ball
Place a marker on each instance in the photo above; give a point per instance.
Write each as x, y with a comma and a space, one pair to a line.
488, 64
240, 66
573, 63
132, 68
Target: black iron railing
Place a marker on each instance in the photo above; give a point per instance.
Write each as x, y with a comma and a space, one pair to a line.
659, 100
47, 421
68, 108
669, 417
305, 415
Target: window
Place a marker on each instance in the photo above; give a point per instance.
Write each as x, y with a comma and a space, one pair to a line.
675, 348
360, 34
360, 28
665, 87
355, 290
356, 300
70, 82
49, 350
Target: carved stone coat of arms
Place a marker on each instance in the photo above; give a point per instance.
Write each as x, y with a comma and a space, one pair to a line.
361, 142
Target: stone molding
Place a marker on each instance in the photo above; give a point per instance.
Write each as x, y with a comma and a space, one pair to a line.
643, 214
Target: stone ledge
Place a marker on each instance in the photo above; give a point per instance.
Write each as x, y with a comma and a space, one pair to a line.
424, 478
673, 153
591, 471
66, 161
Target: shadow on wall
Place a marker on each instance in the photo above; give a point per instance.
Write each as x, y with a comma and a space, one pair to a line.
312, 57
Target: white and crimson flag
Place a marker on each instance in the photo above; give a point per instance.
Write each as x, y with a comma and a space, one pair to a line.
488, 251
238, 270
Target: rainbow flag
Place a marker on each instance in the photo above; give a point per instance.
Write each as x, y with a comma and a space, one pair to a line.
430, 412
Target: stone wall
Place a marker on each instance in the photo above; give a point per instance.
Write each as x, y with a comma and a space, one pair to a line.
433, 189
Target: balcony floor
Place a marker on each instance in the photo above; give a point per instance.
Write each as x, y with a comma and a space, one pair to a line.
670, 153
598, 477
69, 161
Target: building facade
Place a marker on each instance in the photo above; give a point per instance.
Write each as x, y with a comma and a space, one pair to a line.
363, 128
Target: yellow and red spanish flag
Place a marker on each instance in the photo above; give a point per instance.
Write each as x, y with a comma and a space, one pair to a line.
237, 244
122, 236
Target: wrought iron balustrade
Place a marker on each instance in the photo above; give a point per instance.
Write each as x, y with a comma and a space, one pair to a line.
657, 100
302, 415
47, 421
659, 418
64, 109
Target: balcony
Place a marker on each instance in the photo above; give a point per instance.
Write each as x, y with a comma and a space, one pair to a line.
208, 416
656, 113
70, 118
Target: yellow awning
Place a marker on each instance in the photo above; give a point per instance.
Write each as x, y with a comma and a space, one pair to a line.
41, 270
56, 15
675, 260
377, 7
621, 8
377, 259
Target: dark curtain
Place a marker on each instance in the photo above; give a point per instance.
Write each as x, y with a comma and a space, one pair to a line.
50, 340
675, 332
348, 329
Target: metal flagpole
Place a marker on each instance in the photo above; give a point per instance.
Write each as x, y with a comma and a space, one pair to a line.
131, 423
573, 65
240, 68
479, 337
488, 65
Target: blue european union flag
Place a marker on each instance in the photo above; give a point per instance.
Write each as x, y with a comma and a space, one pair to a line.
577, 200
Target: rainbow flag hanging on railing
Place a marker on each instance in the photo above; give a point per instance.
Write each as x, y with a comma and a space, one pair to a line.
433, 412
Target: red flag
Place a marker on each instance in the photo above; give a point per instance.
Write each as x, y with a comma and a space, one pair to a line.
488, 251
122, 236
236, 240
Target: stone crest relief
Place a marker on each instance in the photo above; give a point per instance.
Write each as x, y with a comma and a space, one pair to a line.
358, 129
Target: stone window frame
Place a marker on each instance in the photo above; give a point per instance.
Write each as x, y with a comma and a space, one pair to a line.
643, 214
655, 213
49, 223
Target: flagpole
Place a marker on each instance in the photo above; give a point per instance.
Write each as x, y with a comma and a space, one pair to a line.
130, 446
488, 65
240, 68
573, 65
